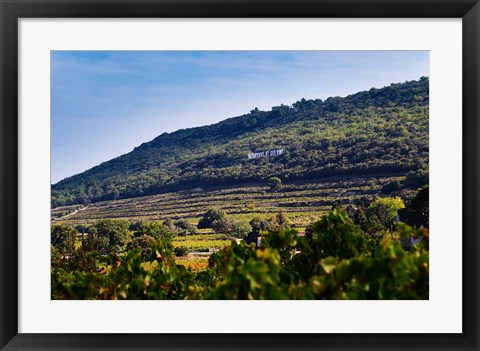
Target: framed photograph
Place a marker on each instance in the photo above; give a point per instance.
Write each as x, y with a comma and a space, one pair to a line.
239, 175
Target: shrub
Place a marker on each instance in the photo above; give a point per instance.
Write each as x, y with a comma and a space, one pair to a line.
213, 214
114, 230
180, 251
275, 184
145, 243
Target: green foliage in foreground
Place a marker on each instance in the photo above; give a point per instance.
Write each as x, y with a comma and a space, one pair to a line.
336, 261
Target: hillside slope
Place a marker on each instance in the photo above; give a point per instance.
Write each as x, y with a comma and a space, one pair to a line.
371, 132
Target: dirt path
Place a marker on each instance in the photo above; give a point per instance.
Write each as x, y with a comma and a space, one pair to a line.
71, 213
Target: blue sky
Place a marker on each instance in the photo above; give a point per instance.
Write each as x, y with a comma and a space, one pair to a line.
105, 103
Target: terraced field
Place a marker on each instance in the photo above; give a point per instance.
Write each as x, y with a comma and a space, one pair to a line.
203, 244
303, 202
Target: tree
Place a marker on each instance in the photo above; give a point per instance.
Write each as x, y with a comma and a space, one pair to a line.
182, 224
83, 199
336, 235
418, 178
63, 239
275, 184
280, 221
146, 243
168, 223
258, 225
213, 214
185, 227
223, 225
154, 229
417, 211
115, 230
181, 251
94, 243
240, 229
357, 214
385, 211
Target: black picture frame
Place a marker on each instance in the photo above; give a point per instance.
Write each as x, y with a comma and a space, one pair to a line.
12, 10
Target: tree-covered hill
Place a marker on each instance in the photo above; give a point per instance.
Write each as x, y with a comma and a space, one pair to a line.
371, 132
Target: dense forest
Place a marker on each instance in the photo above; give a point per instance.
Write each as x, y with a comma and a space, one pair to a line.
378, 131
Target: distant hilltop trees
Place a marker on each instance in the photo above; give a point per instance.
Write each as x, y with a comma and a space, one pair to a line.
371, 132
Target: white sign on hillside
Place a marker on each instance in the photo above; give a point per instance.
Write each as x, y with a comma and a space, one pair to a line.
268, 153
